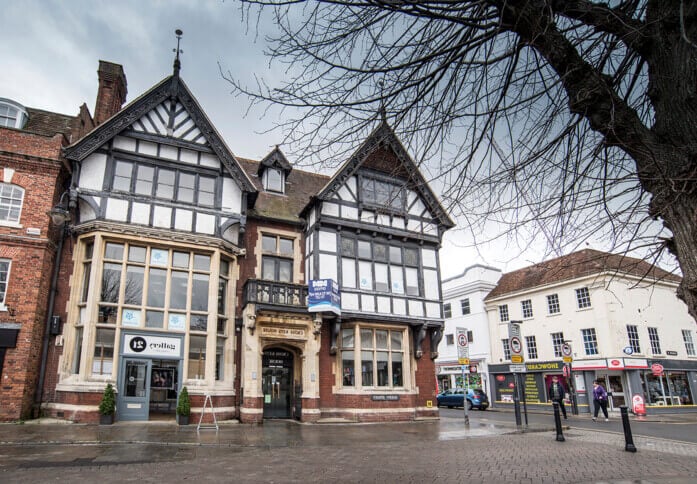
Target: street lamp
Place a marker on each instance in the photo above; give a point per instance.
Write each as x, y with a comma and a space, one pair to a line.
572, 385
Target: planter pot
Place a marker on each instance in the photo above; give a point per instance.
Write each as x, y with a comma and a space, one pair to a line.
106, 419
183, 419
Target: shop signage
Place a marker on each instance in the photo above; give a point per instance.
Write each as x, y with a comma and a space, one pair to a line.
636, 363
450, 369
473, 368
517, 368
282, 332
384, 398
615, 364
552, 365
657, 369
638, 406
590, 365
324, 296
628, 350
147, 345
672, 353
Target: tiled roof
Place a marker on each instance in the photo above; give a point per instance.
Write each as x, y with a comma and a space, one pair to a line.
586, 262
46, 123
301, 186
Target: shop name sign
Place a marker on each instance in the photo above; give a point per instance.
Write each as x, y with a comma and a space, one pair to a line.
384, 398
145, 345
323, 295
282, 332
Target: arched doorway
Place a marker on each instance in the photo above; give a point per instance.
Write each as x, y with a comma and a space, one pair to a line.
277, 382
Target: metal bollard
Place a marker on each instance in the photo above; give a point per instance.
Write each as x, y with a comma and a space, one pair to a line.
629, 442
557, 422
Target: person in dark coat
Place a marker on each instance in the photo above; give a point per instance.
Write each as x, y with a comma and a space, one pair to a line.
599, 400
556, 394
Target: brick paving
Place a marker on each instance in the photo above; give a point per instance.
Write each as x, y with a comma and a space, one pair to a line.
280, 452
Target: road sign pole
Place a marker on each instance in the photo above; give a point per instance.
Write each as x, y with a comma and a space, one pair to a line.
525, 401
516, 401
464, 398
572, 389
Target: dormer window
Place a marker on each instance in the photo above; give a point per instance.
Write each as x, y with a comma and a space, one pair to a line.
12, 114
274, 180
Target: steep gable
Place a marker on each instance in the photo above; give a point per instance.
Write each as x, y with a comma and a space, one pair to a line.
168, 111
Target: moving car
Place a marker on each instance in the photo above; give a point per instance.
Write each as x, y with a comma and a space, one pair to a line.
476, 398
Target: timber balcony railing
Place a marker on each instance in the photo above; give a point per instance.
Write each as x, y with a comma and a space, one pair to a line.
276, 293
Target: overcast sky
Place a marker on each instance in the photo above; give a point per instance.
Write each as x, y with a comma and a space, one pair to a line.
51, 51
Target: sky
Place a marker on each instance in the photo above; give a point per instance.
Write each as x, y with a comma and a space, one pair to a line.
51, 51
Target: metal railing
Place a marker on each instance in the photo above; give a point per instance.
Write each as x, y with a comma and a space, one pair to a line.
276, 293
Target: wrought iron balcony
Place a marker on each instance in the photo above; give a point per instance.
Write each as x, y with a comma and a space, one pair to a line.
275, 293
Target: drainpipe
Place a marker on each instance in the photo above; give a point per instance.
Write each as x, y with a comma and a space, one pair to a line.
38, 398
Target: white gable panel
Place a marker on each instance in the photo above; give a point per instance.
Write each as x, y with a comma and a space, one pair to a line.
430, 229
125, 144
383, 219
92, 172
331, 209
183, 219
349, 301
433, 310
157, 120
232, 196
417, 208
147, 148
205, 224
140, 213
169, 152
414, 225
232, 234
188, 156
210, 160
416, 308
350, 213
351, 183
86, 211
398, 222
367, 303
162, 217
400, 306
384, 305
117, 209
345, 194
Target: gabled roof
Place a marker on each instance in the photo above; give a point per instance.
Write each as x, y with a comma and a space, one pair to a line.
275, 159
301, 186
587, 262
383, 138
170, 87
46, 123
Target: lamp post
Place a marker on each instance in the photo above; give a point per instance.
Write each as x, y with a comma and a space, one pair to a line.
60, 217
572, 385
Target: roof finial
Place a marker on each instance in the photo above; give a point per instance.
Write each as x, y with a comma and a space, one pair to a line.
383, 111
177, 63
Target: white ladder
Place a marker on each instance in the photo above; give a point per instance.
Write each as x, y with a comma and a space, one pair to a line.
207, 402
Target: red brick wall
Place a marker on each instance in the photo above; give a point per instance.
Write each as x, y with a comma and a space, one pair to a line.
32, 258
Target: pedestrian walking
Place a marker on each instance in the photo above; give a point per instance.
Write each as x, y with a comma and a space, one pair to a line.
599, 400
556, 394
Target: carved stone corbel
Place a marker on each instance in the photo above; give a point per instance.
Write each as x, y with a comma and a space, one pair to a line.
317, 324
419, 336
334, 335
251, 323
436, 337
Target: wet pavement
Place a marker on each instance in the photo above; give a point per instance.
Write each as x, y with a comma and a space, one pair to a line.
285, 451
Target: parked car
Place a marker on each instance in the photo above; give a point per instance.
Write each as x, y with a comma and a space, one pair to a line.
476, 398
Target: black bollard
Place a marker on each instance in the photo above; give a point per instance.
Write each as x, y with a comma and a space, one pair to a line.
557, 422
629, 442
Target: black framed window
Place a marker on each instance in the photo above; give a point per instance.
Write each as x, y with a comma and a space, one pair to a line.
164, 183
654, 341
526, 307
503, 313
531, 343
557, 342
465, 306
277, 258
383, 194
553, 304
447, 310
633, 336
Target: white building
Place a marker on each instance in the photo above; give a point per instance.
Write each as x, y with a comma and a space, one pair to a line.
463, 307
621, 317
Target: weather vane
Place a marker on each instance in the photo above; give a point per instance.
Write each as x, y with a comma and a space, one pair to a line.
177, 64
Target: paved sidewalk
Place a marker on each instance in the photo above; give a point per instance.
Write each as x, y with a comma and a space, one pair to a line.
284, 451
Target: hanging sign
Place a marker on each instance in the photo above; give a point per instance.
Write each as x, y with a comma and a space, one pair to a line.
324, 296
657, 369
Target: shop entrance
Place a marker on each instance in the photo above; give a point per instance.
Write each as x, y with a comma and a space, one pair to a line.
615, 388
135, 389
276, 383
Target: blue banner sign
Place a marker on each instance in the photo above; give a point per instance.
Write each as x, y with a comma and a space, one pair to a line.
324, 296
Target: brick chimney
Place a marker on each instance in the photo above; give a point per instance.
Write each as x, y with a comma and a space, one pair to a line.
112, 91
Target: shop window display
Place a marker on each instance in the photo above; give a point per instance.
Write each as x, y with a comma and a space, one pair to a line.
671, 388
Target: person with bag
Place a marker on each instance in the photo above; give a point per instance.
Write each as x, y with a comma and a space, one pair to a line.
599, 400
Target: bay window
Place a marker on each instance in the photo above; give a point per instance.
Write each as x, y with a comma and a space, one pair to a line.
381, 352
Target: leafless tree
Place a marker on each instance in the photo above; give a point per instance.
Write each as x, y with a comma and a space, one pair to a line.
570, 118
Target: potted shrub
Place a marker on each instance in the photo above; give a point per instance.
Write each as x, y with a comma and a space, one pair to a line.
183, 407
107, 407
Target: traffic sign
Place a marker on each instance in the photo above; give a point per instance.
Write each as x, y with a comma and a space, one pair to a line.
566, 371
463, 350
516, 358
567, 359
462, 339
463, 361
566, 349
516, 345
